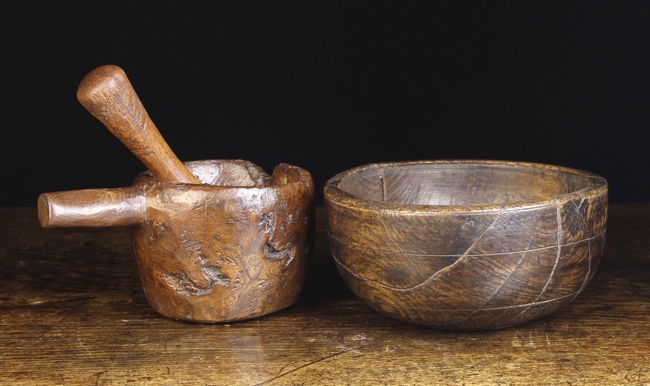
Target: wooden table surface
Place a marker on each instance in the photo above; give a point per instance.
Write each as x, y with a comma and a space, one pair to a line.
72, 312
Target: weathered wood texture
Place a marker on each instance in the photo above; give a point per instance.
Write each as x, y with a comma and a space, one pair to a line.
216, 240
466, 244
72, 312
107, 94
235, 247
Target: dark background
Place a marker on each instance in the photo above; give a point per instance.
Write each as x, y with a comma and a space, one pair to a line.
329, 85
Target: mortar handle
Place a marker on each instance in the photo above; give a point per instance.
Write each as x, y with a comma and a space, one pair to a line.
92, 208
107, 94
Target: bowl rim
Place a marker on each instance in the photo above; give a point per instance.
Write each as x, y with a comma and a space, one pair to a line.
304, 178
334, 194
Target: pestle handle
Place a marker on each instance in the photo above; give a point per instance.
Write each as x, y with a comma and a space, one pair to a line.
92, 208
107, 94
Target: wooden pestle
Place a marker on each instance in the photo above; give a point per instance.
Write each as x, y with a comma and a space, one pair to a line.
108, 95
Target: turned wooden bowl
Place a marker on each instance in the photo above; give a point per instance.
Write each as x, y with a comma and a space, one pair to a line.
466, 245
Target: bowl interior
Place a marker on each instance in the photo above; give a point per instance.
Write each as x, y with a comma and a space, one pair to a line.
464, 183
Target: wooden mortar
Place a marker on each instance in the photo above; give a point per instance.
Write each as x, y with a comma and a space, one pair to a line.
236, 246
216, 240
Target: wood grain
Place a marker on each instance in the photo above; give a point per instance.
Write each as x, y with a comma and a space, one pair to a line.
107, 94
72, 312
92, 208
466, 244
235, 247
233, 251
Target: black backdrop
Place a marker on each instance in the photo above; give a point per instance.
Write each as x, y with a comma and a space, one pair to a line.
328, 85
